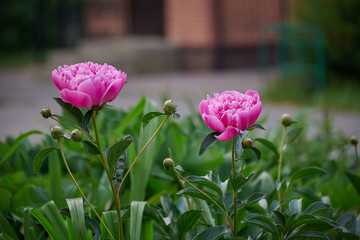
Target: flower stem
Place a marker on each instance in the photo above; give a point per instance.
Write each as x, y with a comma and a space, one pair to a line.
110, 178
279, 167
141, 151
78, 187
70, 125
203, 193
233, 164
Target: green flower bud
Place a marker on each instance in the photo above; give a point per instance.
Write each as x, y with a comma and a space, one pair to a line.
45, 112
246, 143
286, 120
168, 164
57, 132
353, 140
169, 107
76, 135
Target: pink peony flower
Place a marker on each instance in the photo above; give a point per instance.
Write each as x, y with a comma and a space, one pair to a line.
88, 85
230, 112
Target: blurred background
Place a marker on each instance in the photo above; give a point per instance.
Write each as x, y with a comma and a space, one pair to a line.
296, 53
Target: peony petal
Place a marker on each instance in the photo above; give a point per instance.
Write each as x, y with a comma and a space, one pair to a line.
78, 99
243, 120
57, 79
204, 107
112, 91
229, 133
213, 123
254, 113
88, 88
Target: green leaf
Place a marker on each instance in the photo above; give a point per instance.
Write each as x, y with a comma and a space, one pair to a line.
71, 110
77, 217
237, 180
136, 213
255, 126
238, 146
86, 119
51, 213
355, 180
280, 218
130, 117
255, 197
197, 194
110, 219
147, 117
90, 223
28, 228
269, 145
306, 172
40, 157
295, 206
263, 222
186, 221
293, 134
91, 148
114, 152
310, 234
55, 179
208, 141
5, 227
211, 233
4, 236
16, 143
316, 207
256, 152
205, 182
45, 223
176, 116
119, 170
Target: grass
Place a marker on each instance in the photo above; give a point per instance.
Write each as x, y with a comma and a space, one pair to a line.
339, 96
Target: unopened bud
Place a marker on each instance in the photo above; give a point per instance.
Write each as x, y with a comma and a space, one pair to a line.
45, 112
353, 140
168, 164
169, 107
76, 135
57, 132
246, 143
286, 120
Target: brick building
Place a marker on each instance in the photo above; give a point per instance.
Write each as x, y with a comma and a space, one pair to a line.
209, 33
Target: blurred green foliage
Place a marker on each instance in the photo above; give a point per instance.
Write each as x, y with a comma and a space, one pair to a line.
340, 22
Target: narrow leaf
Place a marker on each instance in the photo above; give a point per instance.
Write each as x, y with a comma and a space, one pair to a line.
280, 218
255, 126
71, 110
86, 119
114, 152
256, 152
110, 219
208, 141
45, 223
6, 227
197, 194
238, 147
119, 170
269, 145
16, 143
136, 213
91, 148
293, 134
255, 197
316, 207
306, 172
295, 206
186, 221
211, 233
51, 213
262, 221
237, 180
40, 157
205, 182
77, 217
310, 234
4, 236
149, 116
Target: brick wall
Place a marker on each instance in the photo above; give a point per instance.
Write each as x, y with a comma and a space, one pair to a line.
189, 23
105, 17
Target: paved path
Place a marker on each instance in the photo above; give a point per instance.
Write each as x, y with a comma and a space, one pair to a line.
24, 92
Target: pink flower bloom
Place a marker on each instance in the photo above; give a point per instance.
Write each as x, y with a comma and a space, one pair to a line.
88, 85
230, 112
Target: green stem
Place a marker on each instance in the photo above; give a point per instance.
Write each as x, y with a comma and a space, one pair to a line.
233, 164
110, 178
203, 193
142, 150
279, 167
78, 187
70, 125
